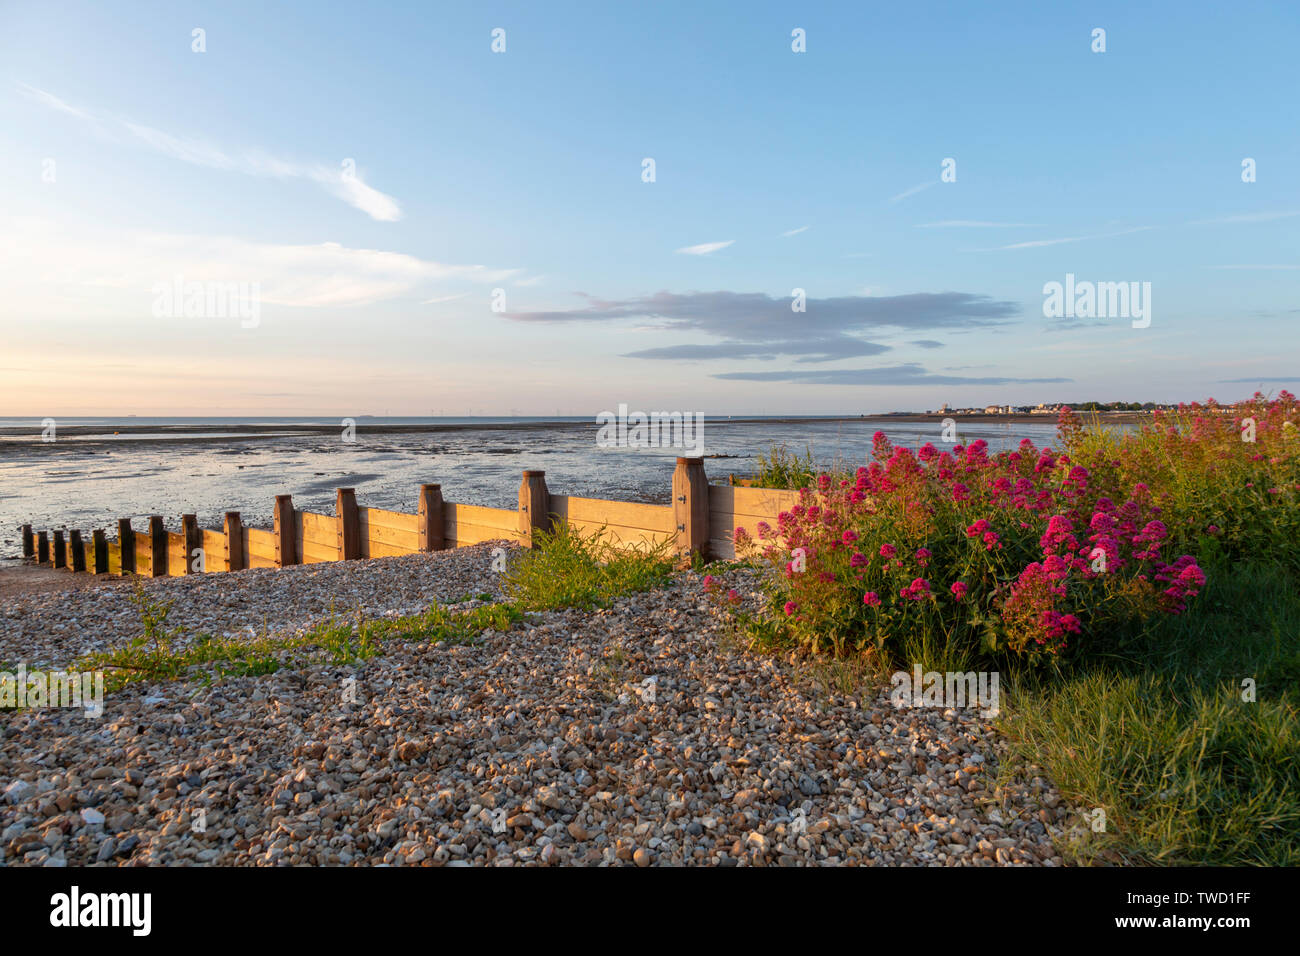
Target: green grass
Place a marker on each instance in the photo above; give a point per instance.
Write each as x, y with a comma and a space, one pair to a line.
573, 570
160, 654
1161, 739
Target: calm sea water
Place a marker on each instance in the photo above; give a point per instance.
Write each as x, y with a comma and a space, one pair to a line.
88, 476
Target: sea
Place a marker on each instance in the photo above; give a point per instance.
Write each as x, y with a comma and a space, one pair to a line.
86, 473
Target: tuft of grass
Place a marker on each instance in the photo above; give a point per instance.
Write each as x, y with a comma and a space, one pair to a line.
1161, 739
160, 655
570, 569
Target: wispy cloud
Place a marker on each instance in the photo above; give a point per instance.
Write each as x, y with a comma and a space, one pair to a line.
913, 191
1278, 266
704, 248
974, 224
795, 232
907, 374
342, 183
46, 267
1247, 217
1038, 243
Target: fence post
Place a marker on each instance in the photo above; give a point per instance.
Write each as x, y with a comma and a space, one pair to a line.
126, 544
534, 506
101, 551
42, 547
60, 551
193, 540
691, 506
286, 548
76, 551
29, 544
431, 532
157, 547
349, 523
234, 528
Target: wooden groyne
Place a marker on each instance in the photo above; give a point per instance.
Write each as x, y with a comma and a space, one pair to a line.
701, 519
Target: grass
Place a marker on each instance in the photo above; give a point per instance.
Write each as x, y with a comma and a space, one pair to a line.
161, 654
573, 570
1186, 771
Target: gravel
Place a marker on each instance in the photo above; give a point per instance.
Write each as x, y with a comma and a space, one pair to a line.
638, 735
55, 627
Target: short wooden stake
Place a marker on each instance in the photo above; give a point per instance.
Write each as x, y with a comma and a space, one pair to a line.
77, 551
691, 506
42, 547
29, 543
126, 544
234, 528
100, 543
286, 549
534, 507
157, 547
431, 535
60, 551
349, 523
193, 543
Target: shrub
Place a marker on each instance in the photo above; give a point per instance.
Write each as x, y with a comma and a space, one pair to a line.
1026, 552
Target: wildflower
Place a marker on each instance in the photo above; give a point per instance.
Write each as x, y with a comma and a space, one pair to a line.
790, 608
858, 560
733, 596
991, 541
923, 556
871, 599
888, 551
849, 536
958, 589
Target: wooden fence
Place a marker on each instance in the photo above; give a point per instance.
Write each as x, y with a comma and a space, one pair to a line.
701, 519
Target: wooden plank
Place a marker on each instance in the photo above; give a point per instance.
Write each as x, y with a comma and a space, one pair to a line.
627, 514
621, 536
378, 549
176, 563
396, 520
690, 506
467, 534
760, 502
143, 553
213, 544
114, 557
236, 542
429, 525
393, 540
501, 519
348, 523
260, 545
316, 554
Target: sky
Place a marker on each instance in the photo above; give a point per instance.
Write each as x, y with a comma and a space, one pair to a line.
408, 221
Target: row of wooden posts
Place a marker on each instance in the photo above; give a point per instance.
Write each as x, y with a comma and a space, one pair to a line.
689, 514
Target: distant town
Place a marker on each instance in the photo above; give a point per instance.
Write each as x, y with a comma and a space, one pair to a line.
1054, 408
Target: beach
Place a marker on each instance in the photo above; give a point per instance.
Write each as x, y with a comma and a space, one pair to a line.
639, 734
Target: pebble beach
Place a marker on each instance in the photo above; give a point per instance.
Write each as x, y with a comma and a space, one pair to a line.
640, 734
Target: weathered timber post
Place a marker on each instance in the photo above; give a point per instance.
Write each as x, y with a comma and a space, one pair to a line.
534, 507
157, 547
60, 551
77, 551
101, 551
193, 542
29, 543
234, 528
42, 547
348, 519
691, 506
126, 544
286, 548
431, 536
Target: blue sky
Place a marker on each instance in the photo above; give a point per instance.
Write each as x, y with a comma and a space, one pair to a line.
522, 171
